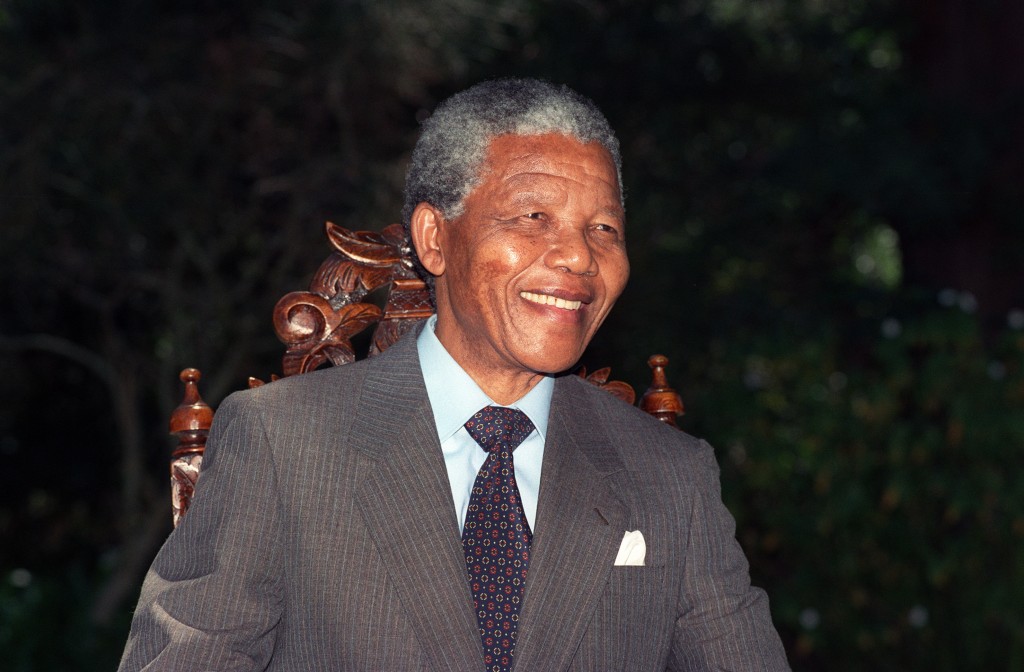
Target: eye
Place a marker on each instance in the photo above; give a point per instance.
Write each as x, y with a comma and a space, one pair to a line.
607, 228
535, 215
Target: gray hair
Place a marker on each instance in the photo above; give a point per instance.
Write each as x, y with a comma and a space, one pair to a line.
446, 161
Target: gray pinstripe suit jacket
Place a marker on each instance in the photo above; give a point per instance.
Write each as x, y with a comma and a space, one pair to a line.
323, 537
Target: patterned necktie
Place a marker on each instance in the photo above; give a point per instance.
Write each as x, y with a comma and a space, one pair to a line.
496, 538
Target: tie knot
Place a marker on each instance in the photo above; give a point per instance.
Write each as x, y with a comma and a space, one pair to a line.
497, 427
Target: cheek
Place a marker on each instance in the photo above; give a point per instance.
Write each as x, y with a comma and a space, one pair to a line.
505, 262
623, 277
616, 273
491, 269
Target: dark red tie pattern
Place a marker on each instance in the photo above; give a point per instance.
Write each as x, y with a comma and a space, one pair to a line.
496, 537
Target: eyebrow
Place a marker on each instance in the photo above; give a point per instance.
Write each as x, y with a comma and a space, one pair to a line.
533, 196
617, 213
544, 197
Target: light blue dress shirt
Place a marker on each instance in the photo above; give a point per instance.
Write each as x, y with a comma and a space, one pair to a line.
454, 398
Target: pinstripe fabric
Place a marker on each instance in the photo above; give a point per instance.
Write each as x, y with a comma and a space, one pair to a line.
323, 537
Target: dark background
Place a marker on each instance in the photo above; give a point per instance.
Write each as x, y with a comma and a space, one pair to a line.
825, 227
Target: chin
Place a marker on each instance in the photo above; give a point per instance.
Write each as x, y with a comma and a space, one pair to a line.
546, 364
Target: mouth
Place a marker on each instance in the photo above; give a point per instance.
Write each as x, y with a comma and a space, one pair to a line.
548, 300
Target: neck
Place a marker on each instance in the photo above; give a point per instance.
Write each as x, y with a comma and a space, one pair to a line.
503, 384
506, 392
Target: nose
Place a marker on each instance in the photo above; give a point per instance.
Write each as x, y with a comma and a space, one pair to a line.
570, 251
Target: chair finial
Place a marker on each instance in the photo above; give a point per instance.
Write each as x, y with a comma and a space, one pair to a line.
660, 400
190, 423
192, 414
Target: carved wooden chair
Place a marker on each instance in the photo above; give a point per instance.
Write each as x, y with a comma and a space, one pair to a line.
317, 327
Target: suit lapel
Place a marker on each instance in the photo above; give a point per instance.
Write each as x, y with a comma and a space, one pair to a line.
580, 523
406, 502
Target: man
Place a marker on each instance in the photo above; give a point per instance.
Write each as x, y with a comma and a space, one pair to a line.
456, 503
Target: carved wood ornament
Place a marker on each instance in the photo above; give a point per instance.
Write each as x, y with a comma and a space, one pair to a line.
317, 327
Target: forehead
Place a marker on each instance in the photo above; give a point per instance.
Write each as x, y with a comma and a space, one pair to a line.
519, 160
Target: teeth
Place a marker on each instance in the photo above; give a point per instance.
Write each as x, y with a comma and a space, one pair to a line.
546, 300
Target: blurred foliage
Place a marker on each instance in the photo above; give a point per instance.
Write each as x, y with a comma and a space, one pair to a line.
877, 463
825, 232
37, 611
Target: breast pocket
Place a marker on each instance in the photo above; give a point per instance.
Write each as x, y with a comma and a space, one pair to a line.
632, 626
636, 584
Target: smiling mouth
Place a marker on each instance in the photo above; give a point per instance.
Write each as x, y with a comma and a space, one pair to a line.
548, 300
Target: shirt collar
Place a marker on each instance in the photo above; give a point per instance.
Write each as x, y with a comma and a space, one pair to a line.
454, 396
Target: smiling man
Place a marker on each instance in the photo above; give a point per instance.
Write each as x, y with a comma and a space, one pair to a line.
530, 268
459, 503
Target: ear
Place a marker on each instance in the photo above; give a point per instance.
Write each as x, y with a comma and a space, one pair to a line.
426, 238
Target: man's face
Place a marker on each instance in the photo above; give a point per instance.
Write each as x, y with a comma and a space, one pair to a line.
531, 268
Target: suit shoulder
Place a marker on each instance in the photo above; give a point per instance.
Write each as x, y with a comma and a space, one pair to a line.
618, 413
305, 393
638, 432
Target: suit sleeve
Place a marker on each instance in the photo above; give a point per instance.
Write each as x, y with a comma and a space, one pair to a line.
213, 596
724, 622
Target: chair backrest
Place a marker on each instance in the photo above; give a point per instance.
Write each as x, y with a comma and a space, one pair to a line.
317, 327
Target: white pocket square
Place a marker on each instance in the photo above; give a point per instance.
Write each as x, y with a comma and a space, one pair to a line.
632, 550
